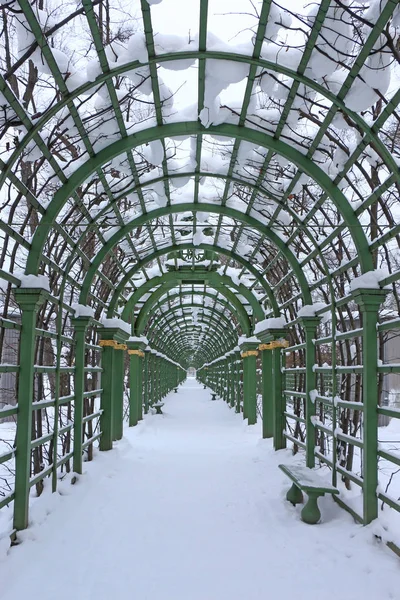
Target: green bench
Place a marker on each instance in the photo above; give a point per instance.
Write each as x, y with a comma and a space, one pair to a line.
306, 480
158, 408
213, 396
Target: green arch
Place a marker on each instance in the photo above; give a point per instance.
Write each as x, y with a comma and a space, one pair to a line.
214, 348
227, 336
167, 250
153, 303
169, 316
187, 129
369, 134
208, 346
202, 207
179, 345
214, 278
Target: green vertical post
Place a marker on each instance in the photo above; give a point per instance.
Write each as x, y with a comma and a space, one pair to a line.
155, 395
146, 376
245, 386
369, 301
80, 325
273, 398
223, 380
238, 363
29, 301
134, 368
140, 388
161, 365
267, 392
107, 394
226, 379
310, 325
232, 380
136, 355
164, 379
279, 401
158, 371
249, 355
150, 376
118, 377
111, 403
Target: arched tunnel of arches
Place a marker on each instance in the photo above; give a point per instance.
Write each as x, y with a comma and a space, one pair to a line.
233, 240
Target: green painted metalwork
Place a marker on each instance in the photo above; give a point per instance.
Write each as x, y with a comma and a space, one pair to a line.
112, 385
192, 128
267, 397
369, 302
80, 326
30, 301
136, 268
212, 208
146, 314
310, 329
217, 282
313, 258
249, 352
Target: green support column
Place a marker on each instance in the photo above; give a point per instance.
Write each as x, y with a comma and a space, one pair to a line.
226, 379
267, 391
119, 373
245, 386
158, 370
29, 301
140, 389
310, 325
155, 380
279, 400
164, 377
111, 404
106, 401
136, 355
238, 363
159, 395
232, 380
273, 399
80, 325
249, 355
369, 301
150, 377
146, 375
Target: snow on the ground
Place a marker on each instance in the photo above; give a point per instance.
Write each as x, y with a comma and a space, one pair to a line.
190, 506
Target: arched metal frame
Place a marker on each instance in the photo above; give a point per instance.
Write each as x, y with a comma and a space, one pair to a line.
276, 256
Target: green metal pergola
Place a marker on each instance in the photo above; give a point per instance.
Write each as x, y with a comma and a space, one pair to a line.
254, 233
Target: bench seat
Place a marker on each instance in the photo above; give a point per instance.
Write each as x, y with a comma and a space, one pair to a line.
306, 480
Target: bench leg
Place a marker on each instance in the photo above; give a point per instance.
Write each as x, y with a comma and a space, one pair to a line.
311, 513
294, 495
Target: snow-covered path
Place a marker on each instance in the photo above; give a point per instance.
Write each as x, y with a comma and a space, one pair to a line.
189, 506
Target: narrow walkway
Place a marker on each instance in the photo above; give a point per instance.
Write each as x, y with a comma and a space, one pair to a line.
190, 507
